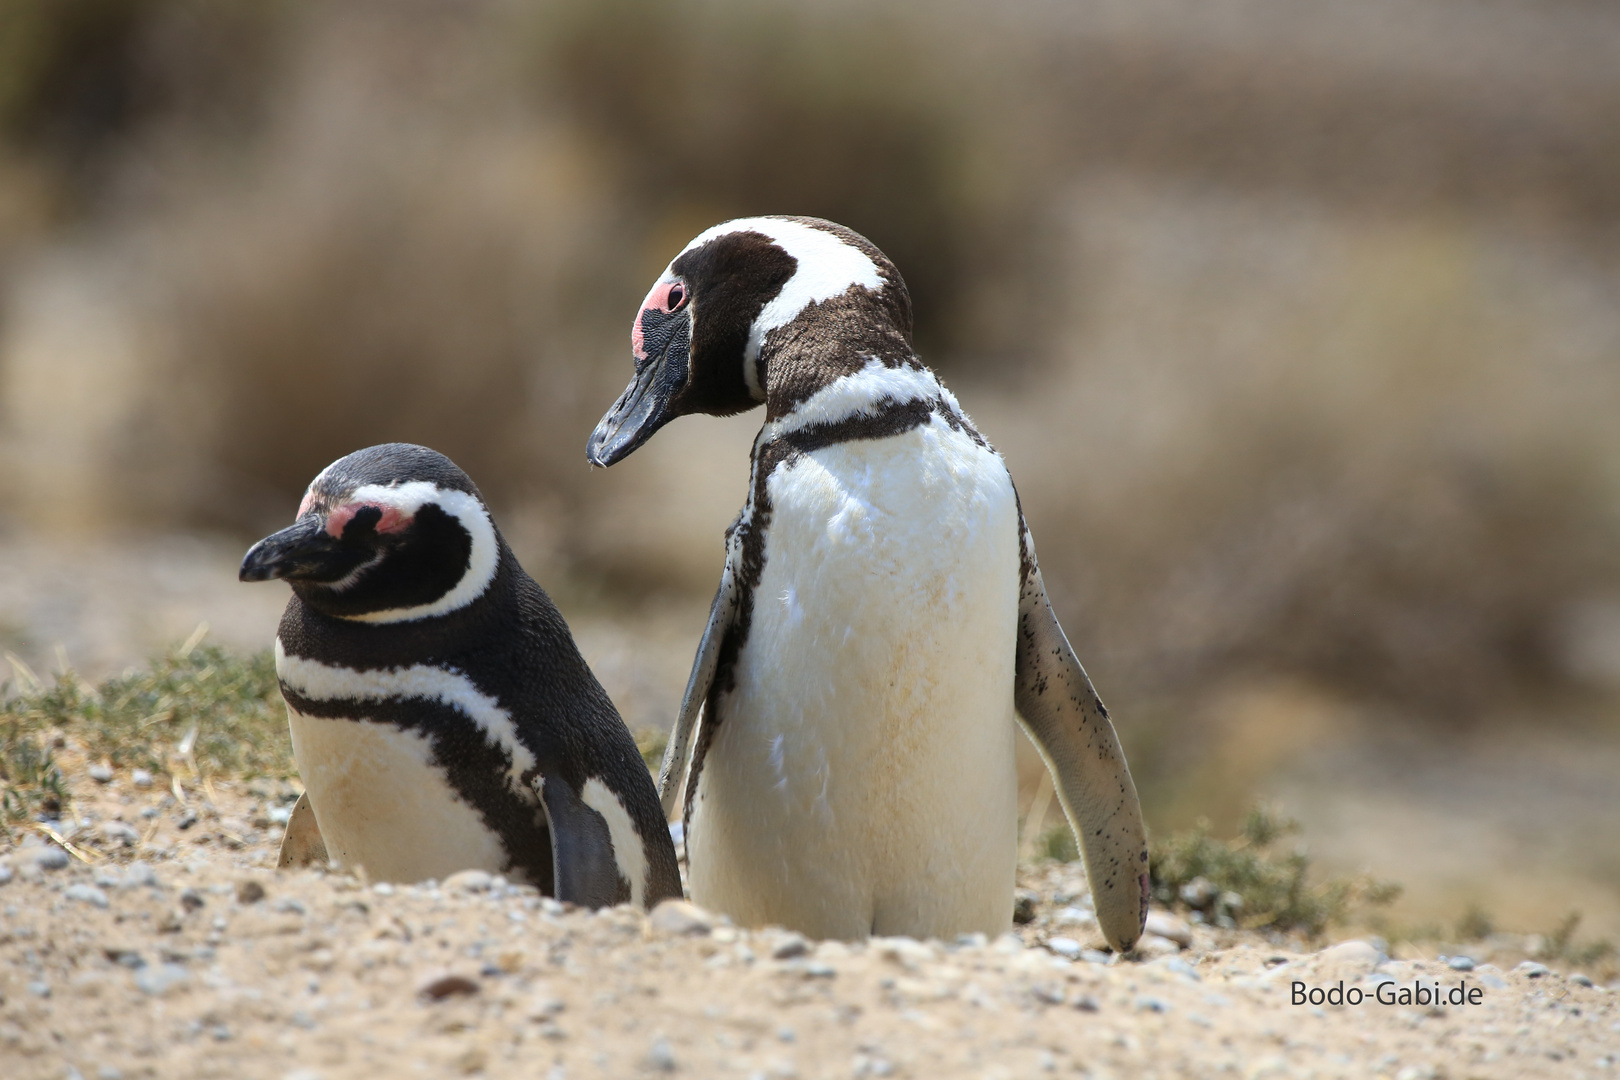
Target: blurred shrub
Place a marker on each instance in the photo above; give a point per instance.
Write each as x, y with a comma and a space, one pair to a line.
1244, 880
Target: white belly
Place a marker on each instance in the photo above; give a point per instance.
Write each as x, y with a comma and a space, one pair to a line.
861, 777
381, 804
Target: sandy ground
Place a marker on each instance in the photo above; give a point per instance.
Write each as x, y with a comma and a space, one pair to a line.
167, 945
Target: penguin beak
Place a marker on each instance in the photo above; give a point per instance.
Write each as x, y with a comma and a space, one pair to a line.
645, 405
302, 551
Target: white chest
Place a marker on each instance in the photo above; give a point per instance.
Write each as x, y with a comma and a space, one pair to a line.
861, 775
383, 804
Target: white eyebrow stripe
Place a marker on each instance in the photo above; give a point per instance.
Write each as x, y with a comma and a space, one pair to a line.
828, 266
327, 682
409, 498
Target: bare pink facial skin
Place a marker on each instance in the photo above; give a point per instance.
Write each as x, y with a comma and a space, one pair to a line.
392, 520
308, 504
657, 300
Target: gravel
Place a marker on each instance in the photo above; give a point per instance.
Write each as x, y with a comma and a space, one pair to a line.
88, 894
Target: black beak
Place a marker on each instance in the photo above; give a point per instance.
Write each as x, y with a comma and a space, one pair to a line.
644, 407
302, 551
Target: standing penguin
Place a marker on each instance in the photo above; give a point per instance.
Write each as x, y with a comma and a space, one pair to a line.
880, 622
442, 717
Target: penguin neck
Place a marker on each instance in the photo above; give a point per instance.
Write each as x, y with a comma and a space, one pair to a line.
833, 340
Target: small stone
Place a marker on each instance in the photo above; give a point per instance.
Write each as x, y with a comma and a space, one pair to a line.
1065, 947
40, 989
1096, 956
101, 772
109, 1072
6, 873
1532, 970
1461, 963
1167, 926
120, 832
1086, 1003
1152, 1004
88, 894
141, 778
470, 881
1357, 957
1073, 916
161, 979
1230, 903
444, 986
287, 905
383, 888
279, 815
191, 899
789, 946
1024, 901
1199, 893
138, 873
188, 818
677, 917
1047, 993
660, 1056
43, 857
1154, 945
1179, 966
126, 957
1581, 980
249, 892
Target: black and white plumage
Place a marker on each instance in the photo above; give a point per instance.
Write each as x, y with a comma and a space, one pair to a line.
442, 717
880, 623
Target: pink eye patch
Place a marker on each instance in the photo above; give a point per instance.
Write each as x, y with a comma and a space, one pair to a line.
392, 520
665, 297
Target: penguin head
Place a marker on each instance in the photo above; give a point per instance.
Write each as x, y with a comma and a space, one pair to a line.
744, 303
387, 534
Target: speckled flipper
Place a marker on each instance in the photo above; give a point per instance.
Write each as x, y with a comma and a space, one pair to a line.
721, 615
302, 844
1070, 727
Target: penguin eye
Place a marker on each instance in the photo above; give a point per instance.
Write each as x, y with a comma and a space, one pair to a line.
676, 297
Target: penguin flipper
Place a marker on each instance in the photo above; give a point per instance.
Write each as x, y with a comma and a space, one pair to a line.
583, 868
1069, 725
722, 613
302, 844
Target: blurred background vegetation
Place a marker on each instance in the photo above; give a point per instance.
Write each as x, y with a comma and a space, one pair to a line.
1297, 320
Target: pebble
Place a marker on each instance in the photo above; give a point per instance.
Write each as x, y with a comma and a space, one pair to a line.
288, 906
109, 1072
1065, 947
6, 872
42, 857
1531, 969
660, 1057
789, 946
141, 778
101, 772
158, 980
191, 899
679, 918
1154, 945
139, 873
1461, 963
1179, 966
40, 989
89, 894
1073, 916
1096, 956
187, 820
1152, 1004
1581, 980
1166, 925
1198, 893
1024, 902
120, 832
249, 892
383, 888
279, 815
1350, 956
442, 986
469, 881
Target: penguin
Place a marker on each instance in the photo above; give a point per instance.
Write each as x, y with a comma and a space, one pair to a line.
846, 739
442, 717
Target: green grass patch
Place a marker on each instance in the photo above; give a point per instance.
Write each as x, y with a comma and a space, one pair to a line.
196, 712
1252, 881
